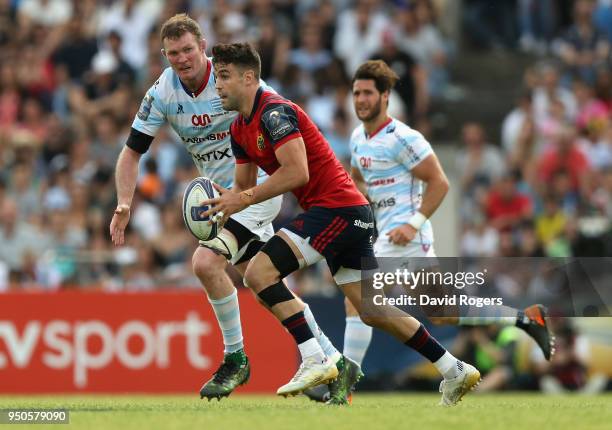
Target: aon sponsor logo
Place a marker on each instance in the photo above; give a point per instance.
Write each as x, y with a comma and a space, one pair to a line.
200, 120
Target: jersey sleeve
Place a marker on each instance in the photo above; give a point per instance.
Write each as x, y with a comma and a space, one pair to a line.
411, 150
239, 153
151, 115
279, 123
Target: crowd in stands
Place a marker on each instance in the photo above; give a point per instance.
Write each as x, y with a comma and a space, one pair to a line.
543, 187
72, 74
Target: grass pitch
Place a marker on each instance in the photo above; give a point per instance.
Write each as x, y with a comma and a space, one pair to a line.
369, 411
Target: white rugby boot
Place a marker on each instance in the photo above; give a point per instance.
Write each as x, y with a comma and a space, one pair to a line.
312, 372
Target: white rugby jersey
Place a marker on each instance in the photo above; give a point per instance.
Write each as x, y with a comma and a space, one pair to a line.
198, 119
385, 160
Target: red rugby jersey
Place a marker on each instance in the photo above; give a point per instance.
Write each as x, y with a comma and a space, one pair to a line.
274, 121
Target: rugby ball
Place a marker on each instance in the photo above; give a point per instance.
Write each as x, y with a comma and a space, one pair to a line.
197, 223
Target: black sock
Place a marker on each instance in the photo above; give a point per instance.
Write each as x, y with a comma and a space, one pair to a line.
298, 327
426, 345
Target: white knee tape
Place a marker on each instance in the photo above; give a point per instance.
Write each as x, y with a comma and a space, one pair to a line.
225, 243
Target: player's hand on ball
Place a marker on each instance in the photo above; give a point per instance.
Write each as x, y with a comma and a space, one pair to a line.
402, 235
119, 223
228, 203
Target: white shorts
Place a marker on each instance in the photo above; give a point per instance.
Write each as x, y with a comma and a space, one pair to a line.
258, 220
384, 248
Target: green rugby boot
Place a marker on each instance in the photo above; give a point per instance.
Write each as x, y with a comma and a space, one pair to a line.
233, 372
340, 390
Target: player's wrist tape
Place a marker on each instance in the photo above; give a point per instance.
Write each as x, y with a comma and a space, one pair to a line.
417, 220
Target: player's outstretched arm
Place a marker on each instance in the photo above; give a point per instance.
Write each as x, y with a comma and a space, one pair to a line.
126, 173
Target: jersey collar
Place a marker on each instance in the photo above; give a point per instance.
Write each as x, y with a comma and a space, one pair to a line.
258, 95
204, 82
383, 125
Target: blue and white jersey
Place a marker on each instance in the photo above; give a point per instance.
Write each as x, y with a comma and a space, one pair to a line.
385, 160
198, 119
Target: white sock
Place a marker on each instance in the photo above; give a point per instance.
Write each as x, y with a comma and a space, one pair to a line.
488, 315
312, 350
357, 337
328, 348
448, 365
227, 312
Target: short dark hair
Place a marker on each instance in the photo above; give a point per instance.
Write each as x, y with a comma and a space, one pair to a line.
178, 25
240, 54
377, 70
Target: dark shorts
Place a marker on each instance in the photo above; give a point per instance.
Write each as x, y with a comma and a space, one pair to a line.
344, 236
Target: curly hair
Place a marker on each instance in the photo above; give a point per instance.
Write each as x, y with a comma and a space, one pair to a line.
378, 71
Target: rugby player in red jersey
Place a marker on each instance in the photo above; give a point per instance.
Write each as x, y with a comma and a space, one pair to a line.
337, 224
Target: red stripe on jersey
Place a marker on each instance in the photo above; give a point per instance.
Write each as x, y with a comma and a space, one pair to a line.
206, 76
334, 234
384, 124
318, 238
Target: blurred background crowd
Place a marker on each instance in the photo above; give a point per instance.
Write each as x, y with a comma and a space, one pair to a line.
535, 183
531, 153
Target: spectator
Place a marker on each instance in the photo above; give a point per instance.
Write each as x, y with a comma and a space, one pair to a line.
360, 26
424, 42
515, 122
583, 47
76, 51
528, 243
17, 237
173, 243
273, 48
548, 90
107, 143
489, 27
49, 13
567, 371
551, 223
132, 20
480, 163
602, 17
506, 206
311, 56
565, 155
537, 22
480, 239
